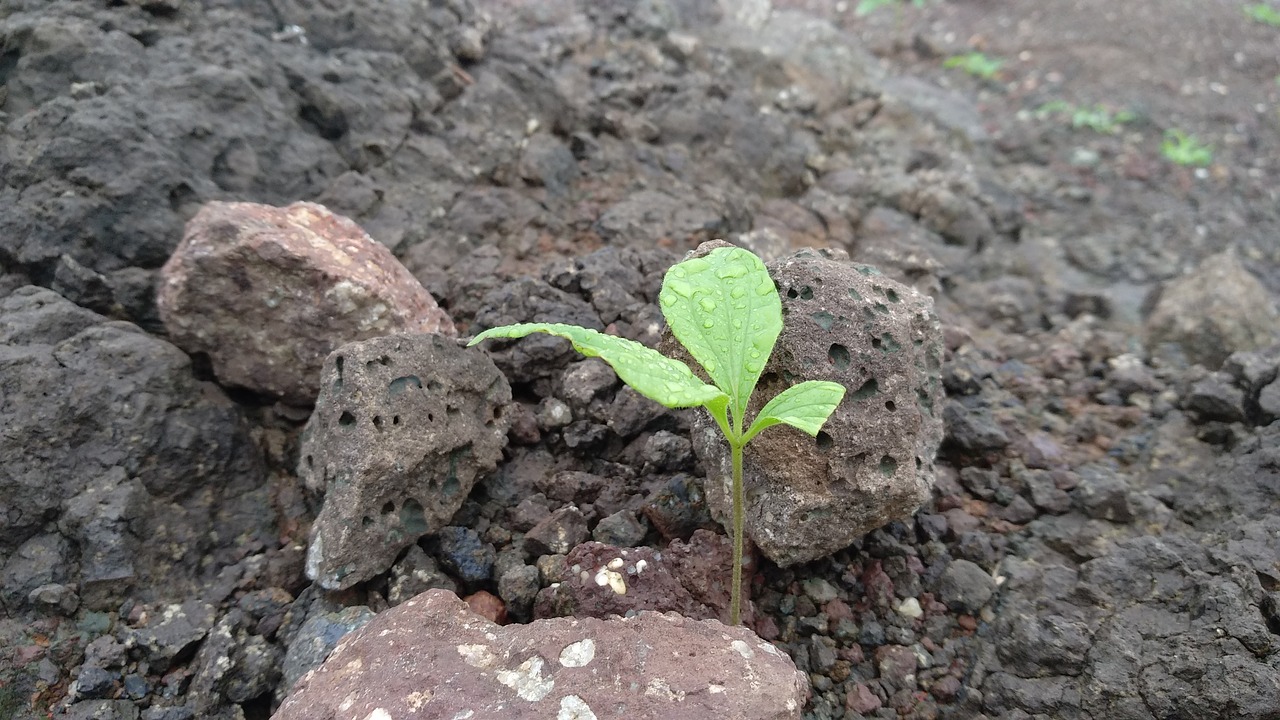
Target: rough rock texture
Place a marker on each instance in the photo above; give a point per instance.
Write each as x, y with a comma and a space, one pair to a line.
112, 454
1217, 309
268, 292
433, 657
691, 578
403, 427
873, 461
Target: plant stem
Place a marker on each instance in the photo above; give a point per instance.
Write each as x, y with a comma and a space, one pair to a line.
735, 593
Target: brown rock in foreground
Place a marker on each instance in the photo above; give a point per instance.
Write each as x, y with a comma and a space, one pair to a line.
267, 293
433, 657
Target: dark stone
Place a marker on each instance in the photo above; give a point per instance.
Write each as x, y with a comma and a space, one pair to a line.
973, 430
95, 682
173, 635
1045, 493
109, 434
518, 587
678, 508
528, 300
464, 554
316, 637
558, 533
1216, 398
965, 587
621, 529
1103, 494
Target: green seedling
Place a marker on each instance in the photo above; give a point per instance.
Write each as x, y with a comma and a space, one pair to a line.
866, 7
976, 64
725, 310
1096, 118
1263, 13
1180, 148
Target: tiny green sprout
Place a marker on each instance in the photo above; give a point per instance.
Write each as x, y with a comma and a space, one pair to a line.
866, 7
976, 64
1180, 148
725, 310
1263, 13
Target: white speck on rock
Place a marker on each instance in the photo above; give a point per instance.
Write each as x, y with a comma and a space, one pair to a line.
910, 608
477, 656
605, 576
527, 680
743, 649
578, 654
378, 714
715, 689
658, 687
616, 563
573, 707
463, 715
641, 565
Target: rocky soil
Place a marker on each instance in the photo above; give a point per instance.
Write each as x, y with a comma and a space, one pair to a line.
1102, 536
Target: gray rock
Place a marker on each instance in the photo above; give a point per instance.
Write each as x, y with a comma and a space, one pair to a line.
528, 300
1217, 309
1269, 402
101, 710
234, 665
518, 588
571, 667
108, 433
1103, 494
54, 596
414, 574
622, 529
268, 292
1215, 397
403, 428
172, 633
973, 429
317, 637
873, 461
558, 533
94, 682
965, 587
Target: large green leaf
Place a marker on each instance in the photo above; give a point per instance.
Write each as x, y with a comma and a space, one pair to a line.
805, 407
724, 308
647, 371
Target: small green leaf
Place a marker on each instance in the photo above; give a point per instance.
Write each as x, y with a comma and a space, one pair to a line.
724, 308
647, 371
805, 407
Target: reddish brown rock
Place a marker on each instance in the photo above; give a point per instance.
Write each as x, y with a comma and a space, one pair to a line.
488, 606
691, 578
267, 293
432, 657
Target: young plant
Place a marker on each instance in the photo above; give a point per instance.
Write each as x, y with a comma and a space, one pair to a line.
1263, 13
1182, 149
976, 64
725, 310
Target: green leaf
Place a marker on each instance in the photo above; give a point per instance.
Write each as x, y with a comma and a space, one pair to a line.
647, 371
724, 308
805, 407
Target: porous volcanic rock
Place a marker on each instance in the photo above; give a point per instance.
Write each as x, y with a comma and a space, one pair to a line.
268, 292
1215, 310
433, 657
873, 461
403, 427
691, 578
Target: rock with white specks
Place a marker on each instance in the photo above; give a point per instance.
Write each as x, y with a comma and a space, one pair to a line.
433, 657
267, 293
